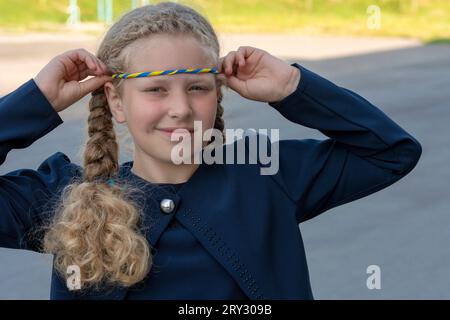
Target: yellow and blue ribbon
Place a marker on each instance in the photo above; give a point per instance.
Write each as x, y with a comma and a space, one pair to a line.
162, 73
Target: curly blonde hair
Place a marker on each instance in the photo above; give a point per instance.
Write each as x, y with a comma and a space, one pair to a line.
97, 226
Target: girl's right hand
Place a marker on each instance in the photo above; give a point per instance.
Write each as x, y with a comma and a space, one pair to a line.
60, 79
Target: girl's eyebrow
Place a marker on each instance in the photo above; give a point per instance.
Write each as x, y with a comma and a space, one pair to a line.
166, 80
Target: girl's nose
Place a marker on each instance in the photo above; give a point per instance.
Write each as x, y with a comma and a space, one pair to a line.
179, 108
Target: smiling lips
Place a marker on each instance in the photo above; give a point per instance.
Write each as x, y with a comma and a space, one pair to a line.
168, 131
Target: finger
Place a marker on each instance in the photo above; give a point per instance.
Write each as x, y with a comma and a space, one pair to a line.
81, 72
247, 51
234, 62
236, 84
82, 67
104, 70
92, 58
224, 63
229, 61
89, 61
82, 55
93, 84
241, 56
109, 71
98, 69
85, 73
103, 66
220, 65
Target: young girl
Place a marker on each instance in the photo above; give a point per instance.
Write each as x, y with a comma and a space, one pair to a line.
153, 229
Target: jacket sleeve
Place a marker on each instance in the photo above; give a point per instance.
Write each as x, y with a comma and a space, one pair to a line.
26, 115
366, 151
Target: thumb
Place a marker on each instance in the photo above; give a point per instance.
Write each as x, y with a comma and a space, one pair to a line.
236, 84
93, 84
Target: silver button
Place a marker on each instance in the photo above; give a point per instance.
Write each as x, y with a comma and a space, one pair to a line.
167, 205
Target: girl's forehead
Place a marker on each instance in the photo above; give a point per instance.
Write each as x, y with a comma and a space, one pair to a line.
149, 55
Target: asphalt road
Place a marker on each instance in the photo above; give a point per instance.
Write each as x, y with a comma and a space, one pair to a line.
403, 229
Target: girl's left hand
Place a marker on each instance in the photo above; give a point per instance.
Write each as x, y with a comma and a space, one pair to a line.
257, 75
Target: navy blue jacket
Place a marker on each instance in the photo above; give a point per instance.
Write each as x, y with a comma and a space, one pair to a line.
245, 220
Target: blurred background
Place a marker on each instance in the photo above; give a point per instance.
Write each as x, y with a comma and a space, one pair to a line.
395, 53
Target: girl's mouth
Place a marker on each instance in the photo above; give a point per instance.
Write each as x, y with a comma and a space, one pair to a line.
168, 131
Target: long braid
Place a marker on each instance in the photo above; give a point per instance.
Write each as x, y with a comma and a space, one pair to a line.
101, 155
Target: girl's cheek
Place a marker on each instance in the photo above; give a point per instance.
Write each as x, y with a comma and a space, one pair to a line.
208, 112
148, 108
146, 116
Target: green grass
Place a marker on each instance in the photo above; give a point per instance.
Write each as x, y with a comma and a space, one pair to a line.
428, 20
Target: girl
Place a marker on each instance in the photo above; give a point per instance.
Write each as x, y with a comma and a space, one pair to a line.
152, 229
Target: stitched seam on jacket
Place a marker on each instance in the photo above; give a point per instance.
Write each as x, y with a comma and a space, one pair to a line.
236, 265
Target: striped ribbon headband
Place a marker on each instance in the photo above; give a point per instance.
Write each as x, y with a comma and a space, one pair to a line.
162, 73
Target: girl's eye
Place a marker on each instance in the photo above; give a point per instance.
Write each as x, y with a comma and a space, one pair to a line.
199, 88
152, 89
157, 89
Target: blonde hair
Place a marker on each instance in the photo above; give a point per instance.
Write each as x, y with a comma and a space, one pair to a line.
98, 227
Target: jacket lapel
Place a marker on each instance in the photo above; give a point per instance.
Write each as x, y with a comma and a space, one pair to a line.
215, 214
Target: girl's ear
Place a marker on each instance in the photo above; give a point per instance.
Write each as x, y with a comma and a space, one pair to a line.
115, 102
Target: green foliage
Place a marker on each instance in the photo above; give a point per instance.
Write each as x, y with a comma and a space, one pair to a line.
423, 19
